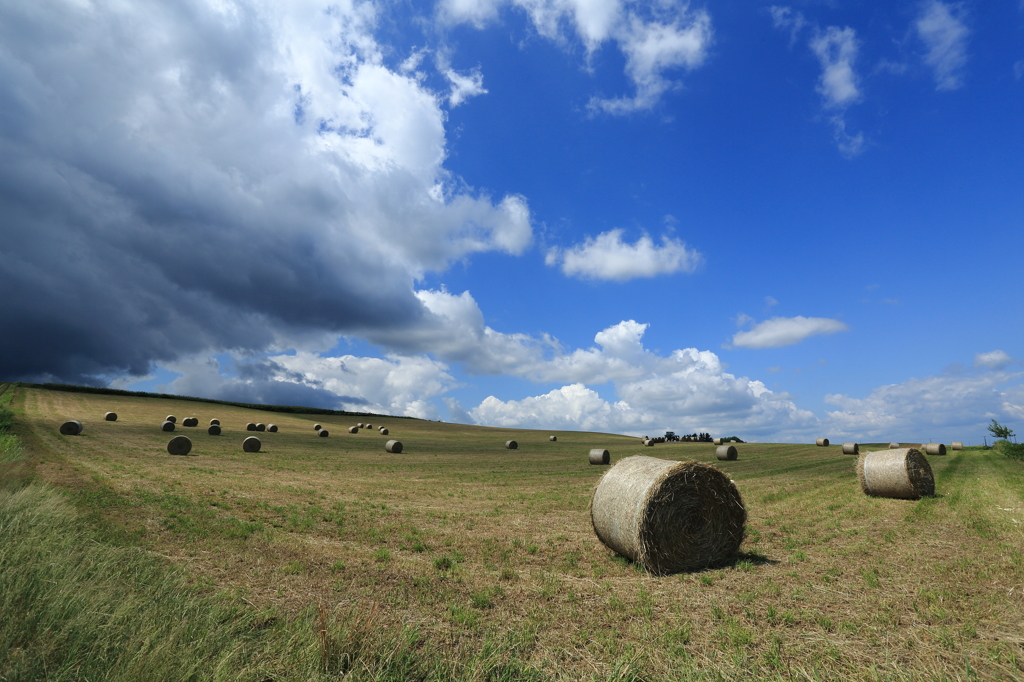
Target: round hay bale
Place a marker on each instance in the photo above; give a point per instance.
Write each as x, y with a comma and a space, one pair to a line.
956, 445
552, 438
214, 430
251, 444
353, 429
821, 442
110, 416
648, 443
368, 426
214, 422
599, 456
726, 452
894, 445
71, 428
261, 427
360, 424
190, 421
851, 449
901, 473
171, 418
383, 431
394, 446
716, 441
179, 445
323, 433
668, 516
250, 427
935, 449
511, 445
272, 428
317, 427
167, 426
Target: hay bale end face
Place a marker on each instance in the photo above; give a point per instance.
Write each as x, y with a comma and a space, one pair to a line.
214, 422
110, 416
179, 445
317, 427
272, 428
167, 426
900, 473
393, 446
368, 426
668, 516
821, 442
190, 421
251, 444
511, 445
71, 428
726, 452
935, 449
171, 418
214, 430
851, 449
323, 433
552, 438
894, 445
648, 443
250, 427
353, 429
956, 445
599, 456
383, 431
261, 427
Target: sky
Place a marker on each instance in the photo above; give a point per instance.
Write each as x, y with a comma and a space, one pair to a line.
773, 221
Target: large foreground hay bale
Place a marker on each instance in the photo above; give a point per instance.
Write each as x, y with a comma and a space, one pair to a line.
323, 433
214, 422
250, 427
353, 429
894, 445
511, 445
272, 428
71, 428
552, 438
251, 444
383, 431
851, 449
716, 441
668, 516
724, 452
214, 430
261, 427
956, 445
599, 456
393, 446
935, 449
821, 442
179, 445
171, 418
110, 416
167, 426
902, 473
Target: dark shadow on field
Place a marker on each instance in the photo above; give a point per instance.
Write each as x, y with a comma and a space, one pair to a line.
755, 558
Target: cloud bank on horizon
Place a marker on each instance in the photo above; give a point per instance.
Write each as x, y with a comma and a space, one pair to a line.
268, 202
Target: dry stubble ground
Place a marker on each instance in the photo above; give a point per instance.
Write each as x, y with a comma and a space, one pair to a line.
464, 541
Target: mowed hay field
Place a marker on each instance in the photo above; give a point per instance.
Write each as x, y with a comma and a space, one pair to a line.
459, 550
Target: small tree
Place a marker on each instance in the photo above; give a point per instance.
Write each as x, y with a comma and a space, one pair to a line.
999, 431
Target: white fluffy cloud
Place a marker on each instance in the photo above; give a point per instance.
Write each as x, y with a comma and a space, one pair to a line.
653, 37
994, 359
786, 331
464, 86
607, 257
941, 27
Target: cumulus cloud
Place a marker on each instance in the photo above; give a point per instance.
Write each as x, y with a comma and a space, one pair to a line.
653, 37
941, 27
786, 331
995, 359
607, 257
221, 176
464, 86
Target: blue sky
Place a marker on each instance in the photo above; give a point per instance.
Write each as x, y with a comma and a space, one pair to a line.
777, 221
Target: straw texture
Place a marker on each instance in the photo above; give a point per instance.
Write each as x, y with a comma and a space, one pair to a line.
724, 452
901, 473
71, 428
272, 428
956, 445
851, 449
599, 456
179, 445
167, 426
935, 449
110, 416
393, 446
511, 445
821, 442
668, 516
716, 441
251, 444
214, 430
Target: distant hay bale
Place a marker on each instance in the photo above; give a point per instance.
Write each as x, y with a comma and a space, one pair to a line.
668, 516
648, 443
368, 426
552, 438
190, 421
901, 473
956, 445
724, 452
214, 430
323, 433
511, 445
179, 445
171, 418
599, 456
214, 422
272, 428
71, 428
851, 449
317, 427
393, 446
716, 441
261, 427
383, 431
110, 416
250, 427
935, 449
360, 424
353, 429
167, 426
821, 442
251, 444
894, 445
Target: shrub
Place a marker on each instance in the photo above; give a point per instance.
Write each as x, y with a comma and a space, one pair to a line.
1011, 450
